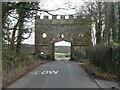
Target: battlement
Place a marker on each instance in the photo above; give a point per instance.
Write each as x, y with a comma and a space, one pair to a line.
62, 19
57, 17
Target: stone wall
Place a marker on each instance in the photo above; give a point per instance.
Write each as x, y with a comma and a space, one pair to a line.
77, 31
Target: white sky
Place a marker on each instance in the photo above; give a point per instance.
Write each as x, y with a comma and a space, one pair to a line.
62, 43
54, 4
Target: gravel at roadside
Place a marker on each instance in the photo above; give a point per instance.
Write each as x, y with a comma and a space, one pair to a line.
108, 84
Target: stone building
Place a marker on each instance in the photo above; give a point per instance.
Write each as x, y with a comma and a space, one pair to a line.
77, 31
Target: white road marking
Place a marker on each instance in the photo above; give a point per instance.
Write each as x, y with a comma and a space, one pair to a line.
44, 72
36, 72
53, 72
49, 72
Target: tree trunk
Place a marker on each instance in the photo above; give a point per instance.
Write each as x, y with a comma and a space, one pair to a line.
107, 22
12, 46
20, 32
114, 22
119, 21
99, 24
12, 40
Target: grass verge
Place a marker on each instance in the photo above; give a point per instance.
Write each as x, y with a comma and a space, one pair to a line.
20, 72
97, 72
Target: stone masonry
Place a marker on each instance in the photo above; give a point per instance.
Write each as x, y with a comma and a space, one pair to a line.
77, 31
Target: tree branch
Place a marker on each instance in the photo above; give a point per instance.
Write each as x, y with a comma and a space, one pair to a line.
48, 11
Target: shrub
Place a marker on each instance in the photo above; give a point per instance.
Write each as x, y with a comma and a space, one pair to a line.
67, 54
106, 57
11, 60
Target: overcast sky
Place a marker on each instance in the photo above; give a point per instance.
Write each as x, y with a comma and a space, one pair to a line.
54, 4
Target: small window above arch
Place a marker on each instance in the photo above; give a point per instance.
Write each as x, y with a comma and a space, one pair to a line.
62, 35
44, 35
81, 35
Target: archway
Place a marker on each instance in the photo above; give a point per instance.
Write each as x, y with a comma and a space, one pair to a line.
62, 50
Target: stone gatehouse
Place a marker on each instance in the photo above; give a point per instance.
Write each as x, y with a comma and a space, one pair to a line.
76, 30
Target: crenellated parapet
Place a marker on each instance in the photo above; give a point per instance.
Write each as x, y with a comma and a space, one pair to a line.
63, 19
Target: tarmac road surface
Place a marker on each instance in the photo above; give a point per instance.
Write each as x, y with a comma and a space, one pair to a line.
56, 74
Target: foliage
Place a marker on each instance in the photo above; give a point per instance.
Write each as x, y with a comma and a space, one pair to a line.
14, 65
106, 20
116, 60
42, 57
62, 49
98, 72
106, 57
96, 68
62, 55
100, 56
10, 59
16, 17
67, 55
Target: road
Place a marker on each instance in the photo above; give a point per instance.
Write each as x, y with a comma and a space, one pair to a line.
56, 74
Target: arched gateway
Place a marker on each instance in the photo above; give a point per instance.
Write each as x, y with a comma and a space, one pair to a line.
77, 31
